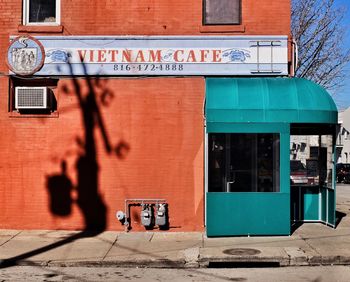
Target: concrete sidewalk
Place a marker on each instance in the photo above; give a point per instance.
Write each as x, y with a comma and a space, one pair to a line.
310, 244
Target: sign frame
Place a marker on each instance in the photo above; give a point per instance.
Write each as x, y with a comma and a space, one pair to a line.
164, 56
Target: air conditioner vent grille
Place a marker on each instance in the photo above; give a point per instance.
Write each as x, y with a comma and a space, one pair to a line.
31, 98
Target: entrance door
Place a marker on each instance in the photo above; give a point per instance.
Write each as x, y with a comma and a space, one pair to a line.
312, 178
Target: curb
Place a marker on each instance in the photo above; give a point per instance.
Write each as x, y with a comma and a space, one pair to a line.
238, 262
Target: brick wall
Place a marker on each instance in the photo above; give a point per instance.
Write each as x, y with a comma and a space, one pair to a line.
160, 17
150, 145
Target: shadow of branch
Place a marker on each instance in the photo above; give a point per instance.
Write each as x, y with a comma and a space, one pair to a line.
13, 261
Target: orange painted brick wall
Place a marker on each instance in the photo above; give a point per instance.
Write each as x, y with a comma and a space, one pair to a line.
148, 141
160, 17
153, 17
150, 145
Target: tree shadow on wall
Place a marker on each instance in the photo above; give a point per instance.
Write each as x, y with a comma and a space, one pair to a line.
88, 199
60, 187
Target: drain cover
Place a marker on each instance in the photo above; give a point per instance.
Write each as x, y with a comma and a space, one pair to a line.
241, 252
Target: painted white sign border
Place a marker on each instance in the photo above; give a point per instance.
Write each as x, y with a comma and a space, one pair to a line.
164, 55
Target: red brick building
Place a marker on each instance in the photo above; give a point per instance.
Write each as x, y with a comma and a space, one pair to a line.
108, 138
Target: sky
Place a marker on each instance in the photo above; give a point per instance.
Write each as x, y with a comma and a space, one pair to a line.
342, 96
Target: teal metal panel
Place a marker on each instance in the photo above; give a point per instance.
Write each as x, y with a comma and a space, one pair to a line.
248, 214
328, 206
324, 205
295, 206
311, 206
285, 160
305, 204
268, 100
331, 207
223, 127
332, 204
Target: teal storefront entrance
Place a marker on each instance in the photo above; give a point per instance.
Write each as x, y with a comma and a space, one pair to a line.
250, 188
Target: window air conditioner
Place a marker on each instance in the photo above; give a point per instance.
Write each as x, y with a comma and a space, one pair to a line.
27, 98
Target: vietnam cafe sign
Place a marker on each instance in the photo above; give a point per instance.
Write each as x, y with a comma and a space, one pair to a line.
148, 55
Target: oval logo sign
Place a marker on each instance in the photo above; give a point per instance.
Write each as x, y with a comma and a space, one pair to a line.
25, 55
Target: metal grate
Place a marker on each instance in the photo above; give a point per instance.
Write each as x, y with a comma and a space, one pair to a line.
31, 98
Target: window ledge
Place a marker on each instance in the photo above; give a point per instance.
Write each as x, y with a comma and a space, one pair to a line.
15, 114
41, 28
222, 28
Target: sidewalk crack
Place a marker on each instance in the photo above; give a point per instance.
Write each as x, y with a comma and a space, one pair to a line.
313, 248
19, 232
115, 241
150, 239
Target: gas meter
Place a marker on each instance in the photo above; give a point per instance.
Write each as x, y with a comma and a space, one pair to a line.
147, 215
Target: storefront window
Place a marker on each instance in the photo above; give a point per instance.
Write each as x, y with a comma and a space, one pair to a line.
311, 160
244, 162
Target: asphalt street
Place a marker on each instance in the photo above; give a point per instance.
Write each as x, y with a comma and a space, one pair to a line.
90, 274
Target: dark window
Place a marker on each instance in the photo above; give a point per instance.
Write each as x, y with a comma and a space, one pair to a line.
219, 12
297, 166
313, 152
42, 11
244, 162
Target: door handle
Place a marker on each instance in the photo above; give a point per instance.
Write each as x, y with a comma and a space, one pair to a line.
228, 185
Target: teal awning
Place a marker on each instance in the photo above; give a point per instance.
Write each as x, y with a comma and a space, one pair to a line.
268, 100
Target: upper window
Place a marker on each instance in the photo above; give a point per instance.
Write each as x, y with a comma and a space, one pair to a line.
222, 12
41, 12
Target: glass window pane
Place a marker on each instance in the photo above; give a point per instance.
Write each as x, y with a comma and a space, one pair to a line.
222, 11
311, 160
42, 11
217, 162
244, 162
268, 163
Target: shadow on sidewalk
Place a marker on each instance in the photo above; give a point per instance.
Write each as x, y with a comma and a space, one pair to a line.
295, 226
338, 217
155, 258
16, 260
